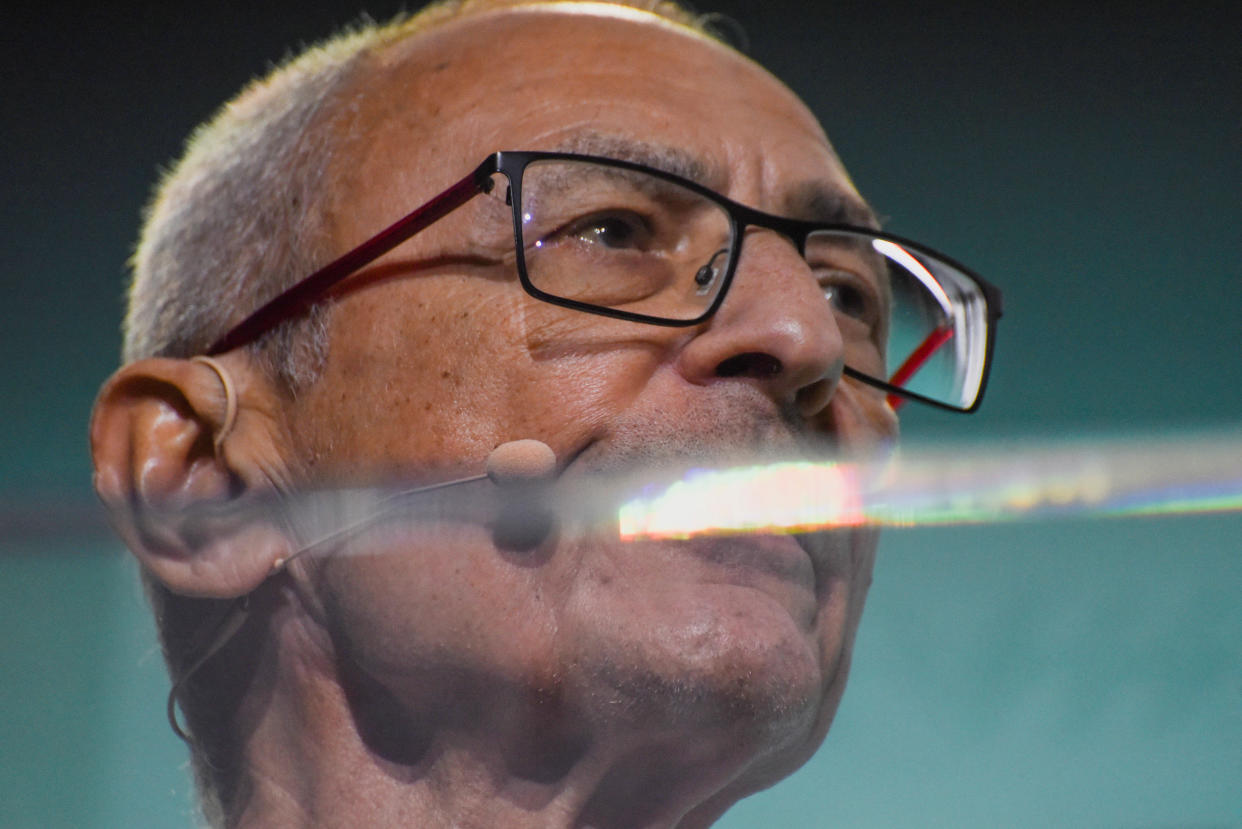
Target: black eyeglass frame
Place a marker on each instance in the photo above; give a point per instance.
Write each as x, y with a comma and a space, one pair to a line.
303, 295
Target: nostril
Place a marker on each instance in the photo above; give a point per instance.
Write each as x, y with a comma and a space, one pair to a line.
751, 364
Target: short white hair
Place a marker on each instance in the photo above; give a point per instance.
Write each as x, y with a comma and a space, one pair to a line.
237, 219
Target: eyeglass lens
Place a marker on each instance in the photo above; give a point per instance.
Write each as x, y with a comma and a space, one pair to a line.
625, 240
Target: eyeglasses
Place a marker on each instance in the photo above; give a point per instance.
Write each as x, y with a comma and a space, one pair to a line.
632, 242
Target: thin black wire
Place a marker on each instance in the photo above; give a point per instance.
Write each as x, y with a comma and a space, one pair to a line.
233, 619
226, 629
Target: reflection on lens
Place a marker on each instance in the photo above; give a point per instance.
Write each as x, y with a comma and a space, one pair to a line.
936, 331
938, 338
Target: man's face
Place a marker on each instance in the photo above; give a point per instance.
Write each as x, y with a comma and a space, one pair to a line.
432, 368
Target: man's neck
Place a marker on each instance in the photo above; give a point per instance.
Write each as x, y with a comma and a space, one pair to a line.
312, 761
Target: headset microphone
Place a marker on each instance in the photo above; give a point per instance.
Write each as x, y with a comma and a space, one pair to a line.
522, 469
521, 461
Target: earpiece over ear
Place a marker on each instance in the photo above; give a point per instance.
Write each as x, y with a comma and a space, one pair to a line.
230, 399
170, 439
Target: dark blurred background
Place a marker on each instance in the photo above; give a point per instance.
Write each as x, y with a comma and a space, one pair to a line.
1086, 158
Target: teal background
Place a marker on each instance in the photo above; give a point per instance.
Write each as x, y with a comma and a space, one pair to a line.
1088, 159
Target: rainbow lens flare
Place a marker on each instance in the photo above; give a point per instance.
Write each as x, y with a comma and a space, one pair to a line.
970, 485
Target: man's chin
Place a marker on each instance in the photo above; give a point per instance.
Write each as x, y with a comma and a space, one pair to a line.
744, 651
742, 640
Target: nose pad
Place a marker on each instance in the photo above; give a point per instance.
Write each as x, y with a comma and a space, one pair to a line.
775, 327
706, 277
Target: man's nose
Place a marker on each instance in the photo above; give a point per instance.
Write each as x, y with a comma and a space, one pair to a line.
775, 329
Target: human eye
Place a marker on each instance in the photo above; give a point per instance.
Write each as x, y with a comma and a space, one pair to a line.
850, 295
613, 230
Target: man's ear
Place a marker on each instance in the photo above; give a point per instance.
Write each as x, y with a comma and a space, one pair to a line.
172, 441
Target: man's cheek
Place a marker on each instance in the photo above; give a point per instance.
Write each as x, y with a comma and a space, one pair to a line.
859, 416
431, 595
576, 397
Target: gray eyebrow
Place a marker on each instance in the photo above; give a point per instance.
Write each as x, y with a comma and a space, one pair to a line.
818, 202
661, 157
811, 200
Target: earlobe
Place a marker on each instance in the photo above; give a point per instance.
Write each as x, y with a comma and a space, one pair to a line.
168, 457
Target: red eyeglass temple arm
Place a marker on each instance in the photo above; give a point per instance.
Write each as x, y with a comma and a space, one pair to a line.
310, 290
916, 361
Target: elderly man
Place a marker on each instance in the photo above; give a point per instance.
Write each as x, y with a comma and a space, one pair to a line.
608, 276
